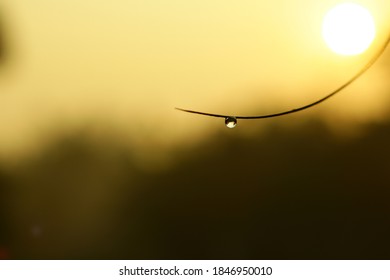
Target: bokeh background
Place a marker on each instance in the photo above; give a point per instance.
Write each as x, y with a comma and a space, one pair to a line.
95, 163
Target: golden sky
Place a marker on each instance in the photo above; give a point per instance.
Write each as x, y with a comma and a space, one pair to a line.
128, 63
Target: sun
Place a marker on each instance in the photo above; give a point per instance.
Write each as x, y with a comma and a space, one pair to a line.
348, 29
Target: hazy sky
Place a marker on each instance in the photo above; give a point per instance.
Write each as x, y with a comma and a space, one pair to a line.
128, 63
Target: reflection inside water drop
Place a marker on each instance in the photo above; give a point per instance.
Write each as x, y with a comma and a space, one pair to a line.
230, 122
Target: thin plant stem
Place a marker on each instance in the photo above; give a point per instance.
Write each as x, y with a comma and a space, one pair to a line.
334, 92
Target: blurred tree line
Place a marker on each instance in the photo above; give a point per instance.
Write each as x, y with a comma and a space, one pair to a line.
299, 193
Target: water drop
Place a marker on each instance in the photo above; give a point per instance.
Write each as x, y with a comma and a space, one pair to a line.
230, 122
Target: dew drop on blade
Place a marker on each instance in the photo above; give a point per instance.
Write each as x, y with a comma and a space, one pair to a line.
230, 122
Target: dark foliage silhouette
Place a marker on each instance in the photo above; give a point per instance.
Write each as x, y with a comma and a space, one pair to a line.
287, 194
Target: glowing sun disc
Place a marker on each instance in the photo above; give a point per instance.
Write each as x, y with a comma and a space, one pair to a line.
348, 29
